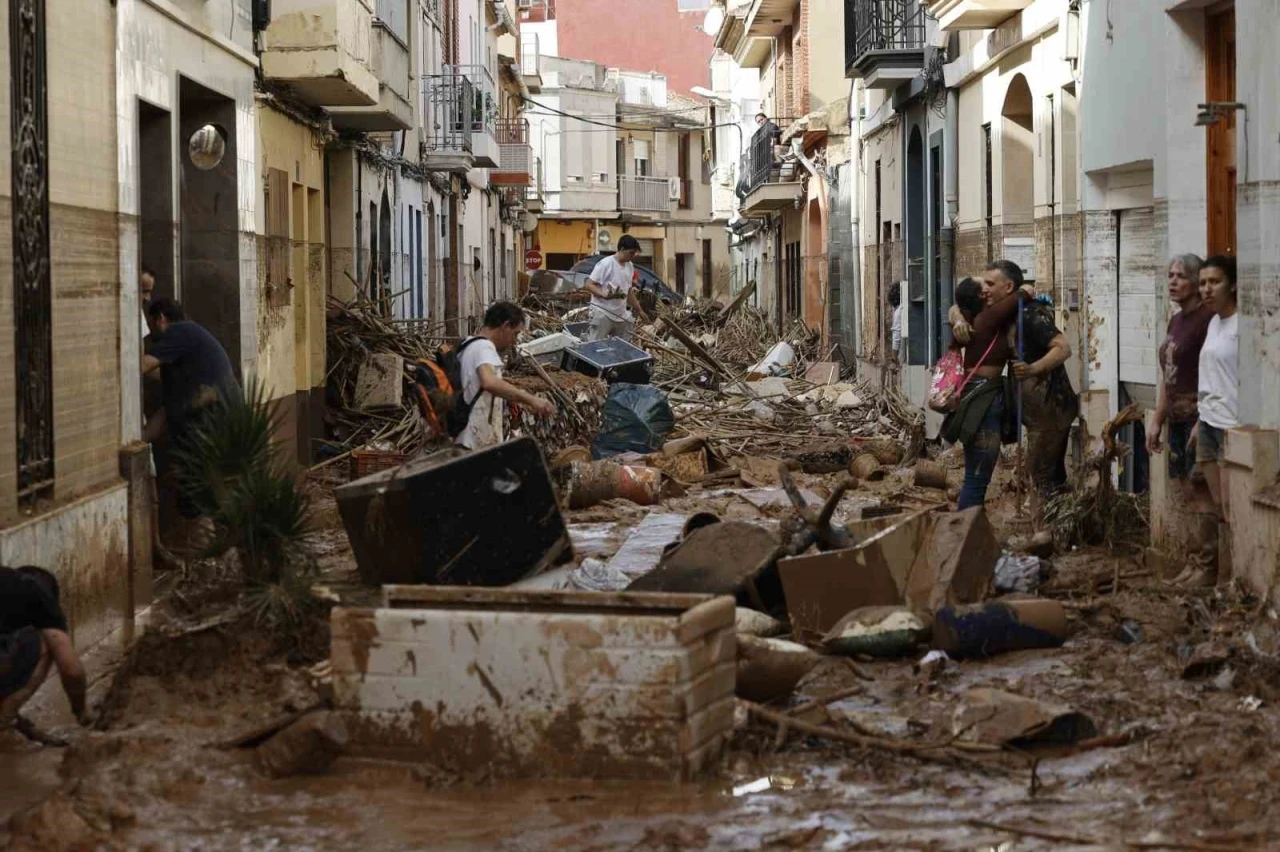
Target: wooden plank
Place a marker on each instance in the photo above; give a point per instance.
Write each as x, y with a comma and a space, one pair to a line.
611, 603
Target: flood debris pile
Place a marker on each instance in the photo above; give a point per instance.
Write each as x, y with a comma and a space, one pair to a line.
369, 356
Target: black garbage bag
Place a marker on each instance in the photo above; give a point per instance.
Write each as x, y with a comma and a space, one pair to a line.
636, 419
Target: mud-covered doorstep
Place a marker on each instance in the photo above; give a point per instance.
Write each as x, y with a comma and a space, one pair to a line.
539, 684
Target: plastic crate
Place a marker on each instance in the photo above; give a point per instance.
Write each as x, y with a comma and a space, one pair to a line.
365, 462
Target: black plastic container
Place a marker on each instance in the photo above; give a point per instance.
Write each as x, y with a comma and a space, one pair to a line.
611, 359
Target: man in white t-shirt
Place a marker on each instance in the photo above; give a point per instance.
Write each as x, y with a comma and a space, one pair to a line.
480, 365
612, 289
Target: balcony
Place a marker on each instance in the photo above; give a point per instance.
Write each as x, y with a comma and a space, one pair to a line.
460, 118
884, 41
322, 50
644, 195
749, 36
974, 14
391, 66
766, 182
531, 62
533, 200
515, 155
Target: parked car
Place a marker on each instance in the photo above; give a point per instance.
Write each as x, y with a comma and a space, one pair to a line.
647, 281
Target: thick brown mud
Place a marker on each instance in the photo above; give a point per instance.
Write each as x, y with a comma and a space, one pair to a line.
1199, 769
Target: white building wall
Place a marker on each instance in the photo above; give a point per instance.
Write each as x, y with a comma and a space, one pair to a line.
153, 50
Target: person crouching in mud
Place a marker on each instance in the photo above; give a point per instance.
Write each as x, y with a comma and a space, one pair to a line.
976, 423
33, 641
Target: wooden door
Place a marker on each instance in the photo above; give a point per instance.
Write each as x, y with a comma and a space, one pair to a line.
1220, 86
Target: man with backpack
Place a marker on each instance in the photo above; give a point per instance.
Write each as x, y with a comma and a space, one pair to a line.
476, 419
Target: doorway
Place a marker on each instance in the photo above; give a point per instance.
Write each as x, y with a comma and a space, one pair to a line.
1017, 177
706, 269
155, 196
913, 299
1220, 86
684, 272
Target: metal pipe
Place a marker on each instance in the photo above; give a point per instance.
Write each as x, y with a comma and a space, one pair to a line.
855, 208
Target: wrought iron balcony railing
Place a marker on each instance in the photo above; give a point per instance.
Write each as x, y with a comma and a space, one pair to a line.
882, 25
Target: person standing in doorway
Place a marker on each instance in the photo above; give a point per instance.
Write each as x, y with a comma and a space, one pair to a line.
195, 377
1177, 400
146, 289
613, 293
1218, 379
480, 369
897, 343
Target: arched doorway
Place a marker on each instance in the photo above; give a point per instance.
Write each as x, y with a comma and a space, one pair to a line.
1017, 176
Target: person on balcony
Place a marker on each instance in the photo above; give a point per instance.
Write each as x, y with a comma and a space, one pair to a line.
766, 126
613, 292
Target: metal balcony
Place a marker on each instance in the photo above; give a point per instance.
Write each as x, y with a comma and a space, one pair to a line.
644, 195
531, 62
515, 155
533, 200
974, 14
767, 181
459, 122
484, 112
884, 41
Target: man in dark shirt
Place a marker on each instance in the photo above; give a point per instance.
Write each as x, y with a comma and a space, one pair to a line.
195, 377
1049, 403
34, 639
195, 372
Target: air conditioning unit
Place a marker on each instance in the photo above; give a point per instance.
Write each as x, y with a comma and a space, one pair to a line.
673, 188
524, 4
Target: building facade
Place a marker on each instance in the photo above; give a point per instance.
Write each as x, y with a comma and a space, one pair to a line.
787, 236
621, 155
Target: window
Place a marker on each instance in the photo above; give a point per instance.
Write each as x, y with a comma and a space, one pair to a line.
792, 271
32, 282
561, 261
641, 157
685, 143
693, 5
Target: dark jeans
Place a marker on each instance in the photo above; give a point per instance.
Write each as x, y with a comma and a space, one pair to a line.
1047, 458
1182, 461
980, 457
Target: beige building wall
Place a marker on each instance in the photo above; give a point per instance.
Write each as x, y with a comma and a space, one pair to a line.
82, 220
80, 531
291, 313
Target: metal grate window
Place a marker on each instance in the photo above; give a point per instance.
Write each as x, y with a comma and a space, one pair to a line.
32, 284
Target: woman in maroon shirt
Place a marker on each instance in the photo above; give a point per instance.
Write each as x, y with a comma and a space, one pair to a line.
1177, 404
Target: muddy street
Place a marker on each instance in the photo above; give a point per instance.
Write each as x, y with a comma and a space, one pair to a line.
1179, 760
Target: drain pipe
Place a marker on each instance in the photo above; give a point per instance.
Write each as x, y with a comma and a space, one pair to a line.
855, 210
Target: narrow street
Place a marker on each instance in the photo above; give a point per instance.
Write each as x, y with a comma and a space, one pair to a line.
662, 425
